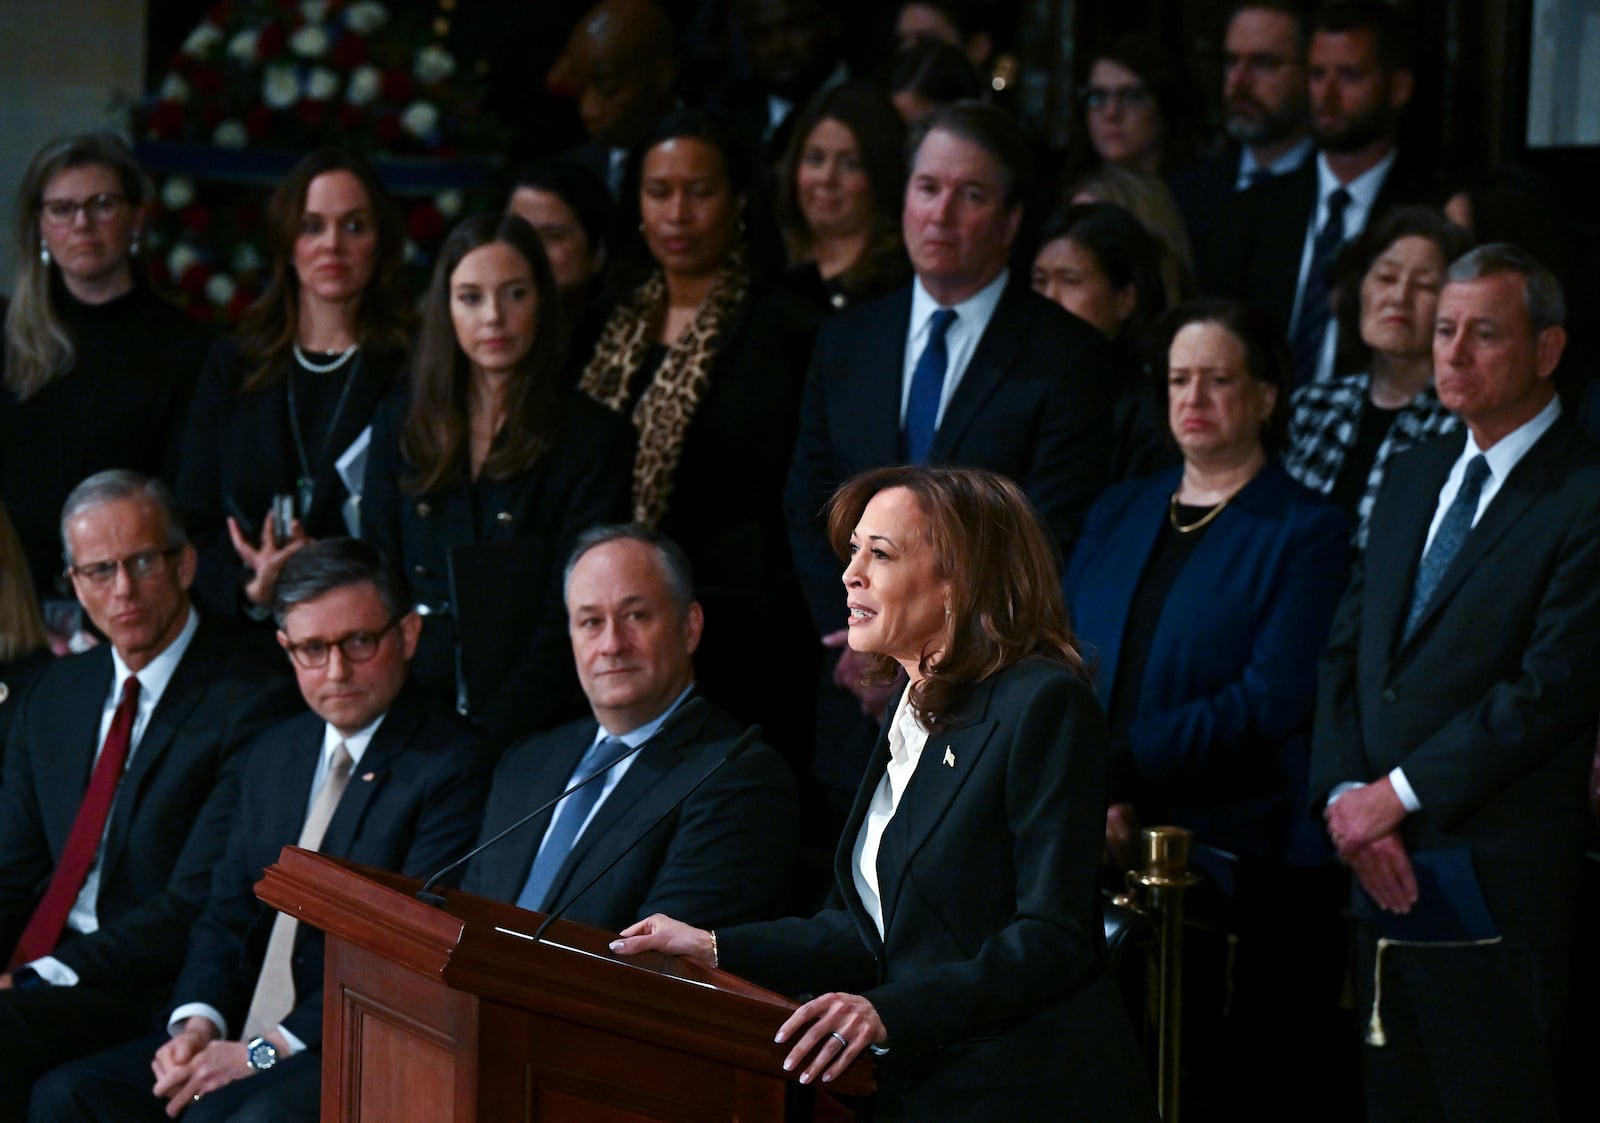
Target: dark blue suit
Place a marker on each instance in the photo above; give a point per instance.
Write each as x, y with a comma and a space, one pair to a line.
1222, 733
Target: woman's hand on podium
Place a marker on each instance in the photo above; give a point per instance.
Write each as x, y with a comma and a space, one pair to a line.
663, 934
841, 1026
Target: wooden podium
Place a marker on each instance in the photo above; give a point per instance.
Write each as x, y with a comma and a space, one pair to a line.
459, 1014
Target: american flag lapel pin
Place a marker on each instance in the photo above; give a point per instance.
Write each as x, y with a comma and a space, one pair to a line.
949, 757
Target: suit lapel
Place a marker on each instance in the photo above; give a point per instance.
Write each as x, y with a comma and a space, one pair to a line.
369, 775
65, 759
844, 854
1393, 557
1136, 538
997, 349
552, 771
874, 399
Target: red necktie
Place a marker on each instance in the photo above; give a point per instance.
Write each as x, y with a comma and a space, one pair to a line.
44, 927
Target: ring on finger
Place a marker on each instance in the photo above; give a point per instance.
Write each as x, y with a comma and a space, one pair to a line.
843, 1044
197, 1097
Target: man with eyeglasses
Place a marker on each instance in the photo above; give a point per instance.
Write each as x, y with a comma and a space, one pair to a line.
118, 788
1266, 113
374, 773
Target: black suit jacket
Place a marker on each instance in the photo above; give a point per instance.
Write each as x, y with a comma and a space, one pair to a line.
172, 810
412, 805
721, 858
991, 970
1490, 705
1033, 405
239, 452
1254, 247
530, 521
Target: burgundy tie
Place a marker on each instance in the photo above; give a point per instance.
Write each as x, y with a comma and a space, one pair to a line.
44, 927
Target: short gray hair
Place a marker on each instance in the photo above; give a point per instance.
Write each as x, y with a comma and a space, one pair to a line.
337, 563
1541, 292
675, 568
112, 485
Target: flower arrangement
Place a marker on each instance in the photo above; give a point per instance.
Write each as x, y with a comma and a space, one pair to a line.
260, 82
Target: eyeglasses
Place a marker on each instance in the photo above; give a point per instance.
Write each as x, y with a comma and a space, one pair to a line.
98, 208
357, 647
1126, 97
140, 567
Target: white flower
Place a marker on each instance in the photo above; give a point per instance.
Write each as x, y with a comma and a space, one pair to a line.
365, 83
420, 119
244, 44
177, 193
202, 40
365, 16
174, 88
434, 63
220, 289
312, 11
245, 258
279, 87
181, 257
309, 42
448, 202
230, 134
322, 85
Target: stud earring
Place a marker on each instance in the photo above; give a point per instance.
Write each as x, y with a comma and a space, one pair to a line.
133, 247
44, 255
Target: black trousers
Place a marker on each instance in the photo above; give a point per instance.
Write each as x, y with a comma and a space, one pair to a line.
114, 1087
42, 1026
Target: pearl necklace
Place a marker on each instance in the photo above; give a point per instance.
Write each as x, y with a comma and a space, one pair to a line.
324, 368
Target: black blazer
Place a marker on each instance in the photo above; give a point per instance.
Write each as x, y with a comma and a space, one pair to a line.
585, 479
1034, 404
239, 452
172, 811
1490, 705
990, 976
721, 858
412, 805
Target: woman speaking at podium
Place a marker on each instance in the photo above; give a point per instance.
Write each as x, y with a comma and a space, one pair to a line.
969, 951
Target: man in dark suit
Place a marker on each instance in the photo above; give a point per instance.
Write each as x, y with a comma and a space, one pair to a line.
118, 787
373, 773
1265, 111
965, 366
1275, 246
725, 852
1456, 716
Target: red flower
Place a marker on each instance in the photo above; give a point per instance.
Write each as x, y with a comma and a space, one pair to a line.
424, 223
272, 41
349, 117
311, 113
258, 123
396, 88
349, 52
388, 129
194, 278
166, 120
205, 80
197, 218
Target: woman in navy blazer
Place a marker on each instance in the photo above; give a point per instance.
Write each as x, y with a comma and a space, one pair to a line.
969, 949
1202, 596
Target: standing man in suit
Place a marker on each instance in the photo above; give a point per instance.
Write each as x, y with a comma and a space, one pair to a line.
118, 787
1275, 247
966, 366
374, 774
1265, 111
725, 852
1456, 716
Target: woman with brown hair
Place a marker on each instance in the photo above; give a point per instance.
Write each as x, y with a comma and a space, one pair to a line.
98, 369
282, 410
24, 644
970, 946
481, 477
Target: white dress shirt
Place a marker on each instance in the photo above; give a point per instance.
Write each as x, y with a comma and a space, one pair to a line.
960, 338
906, 741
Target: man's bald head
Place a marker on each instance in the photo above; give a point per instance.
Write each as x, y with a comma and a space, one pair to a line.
624, 56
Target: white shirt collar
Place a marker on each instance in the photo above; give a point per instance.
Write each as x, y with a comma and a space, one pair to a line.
976, 310
1363, 189
355, 744
155, 675
1511, 448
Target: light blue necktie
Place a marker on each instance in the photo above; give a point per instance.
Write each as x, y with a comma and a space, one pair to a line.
927, 387
1447, 540
1312, 327
570, 816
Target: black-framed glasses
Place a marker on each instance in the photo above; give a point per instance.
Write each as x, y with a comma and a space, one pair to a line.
1127, 97
99, 208
356, 647
140, 566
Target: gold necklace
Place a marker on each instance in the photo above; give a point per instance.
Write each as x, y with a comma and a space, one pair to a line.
1172, 515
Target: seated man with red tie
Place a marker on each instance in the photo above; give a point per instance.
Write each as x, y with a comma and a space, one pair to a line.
117, 787
374, 774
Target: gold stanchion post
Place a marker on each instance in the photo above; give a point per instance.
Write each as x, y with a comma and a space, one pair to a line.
1165, 878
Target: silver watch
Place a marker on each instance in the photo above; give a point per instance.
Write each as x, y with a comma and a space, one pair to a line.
260, 1054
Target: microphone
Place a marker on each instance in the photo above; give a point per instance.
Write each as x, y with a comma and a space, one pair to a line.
746, 739
426, 895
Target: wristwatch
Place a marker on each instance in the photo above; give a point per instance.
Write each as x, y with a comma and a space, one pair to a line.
260, 1054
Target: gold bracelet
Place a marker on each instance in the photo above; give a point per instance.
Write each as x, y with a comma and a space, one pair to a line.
714, 947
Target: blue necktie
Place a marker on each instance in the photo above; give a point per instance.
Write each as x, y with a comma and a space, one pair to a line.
1312, 327
1258, 176
927, 387
571, 814
1447, 540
